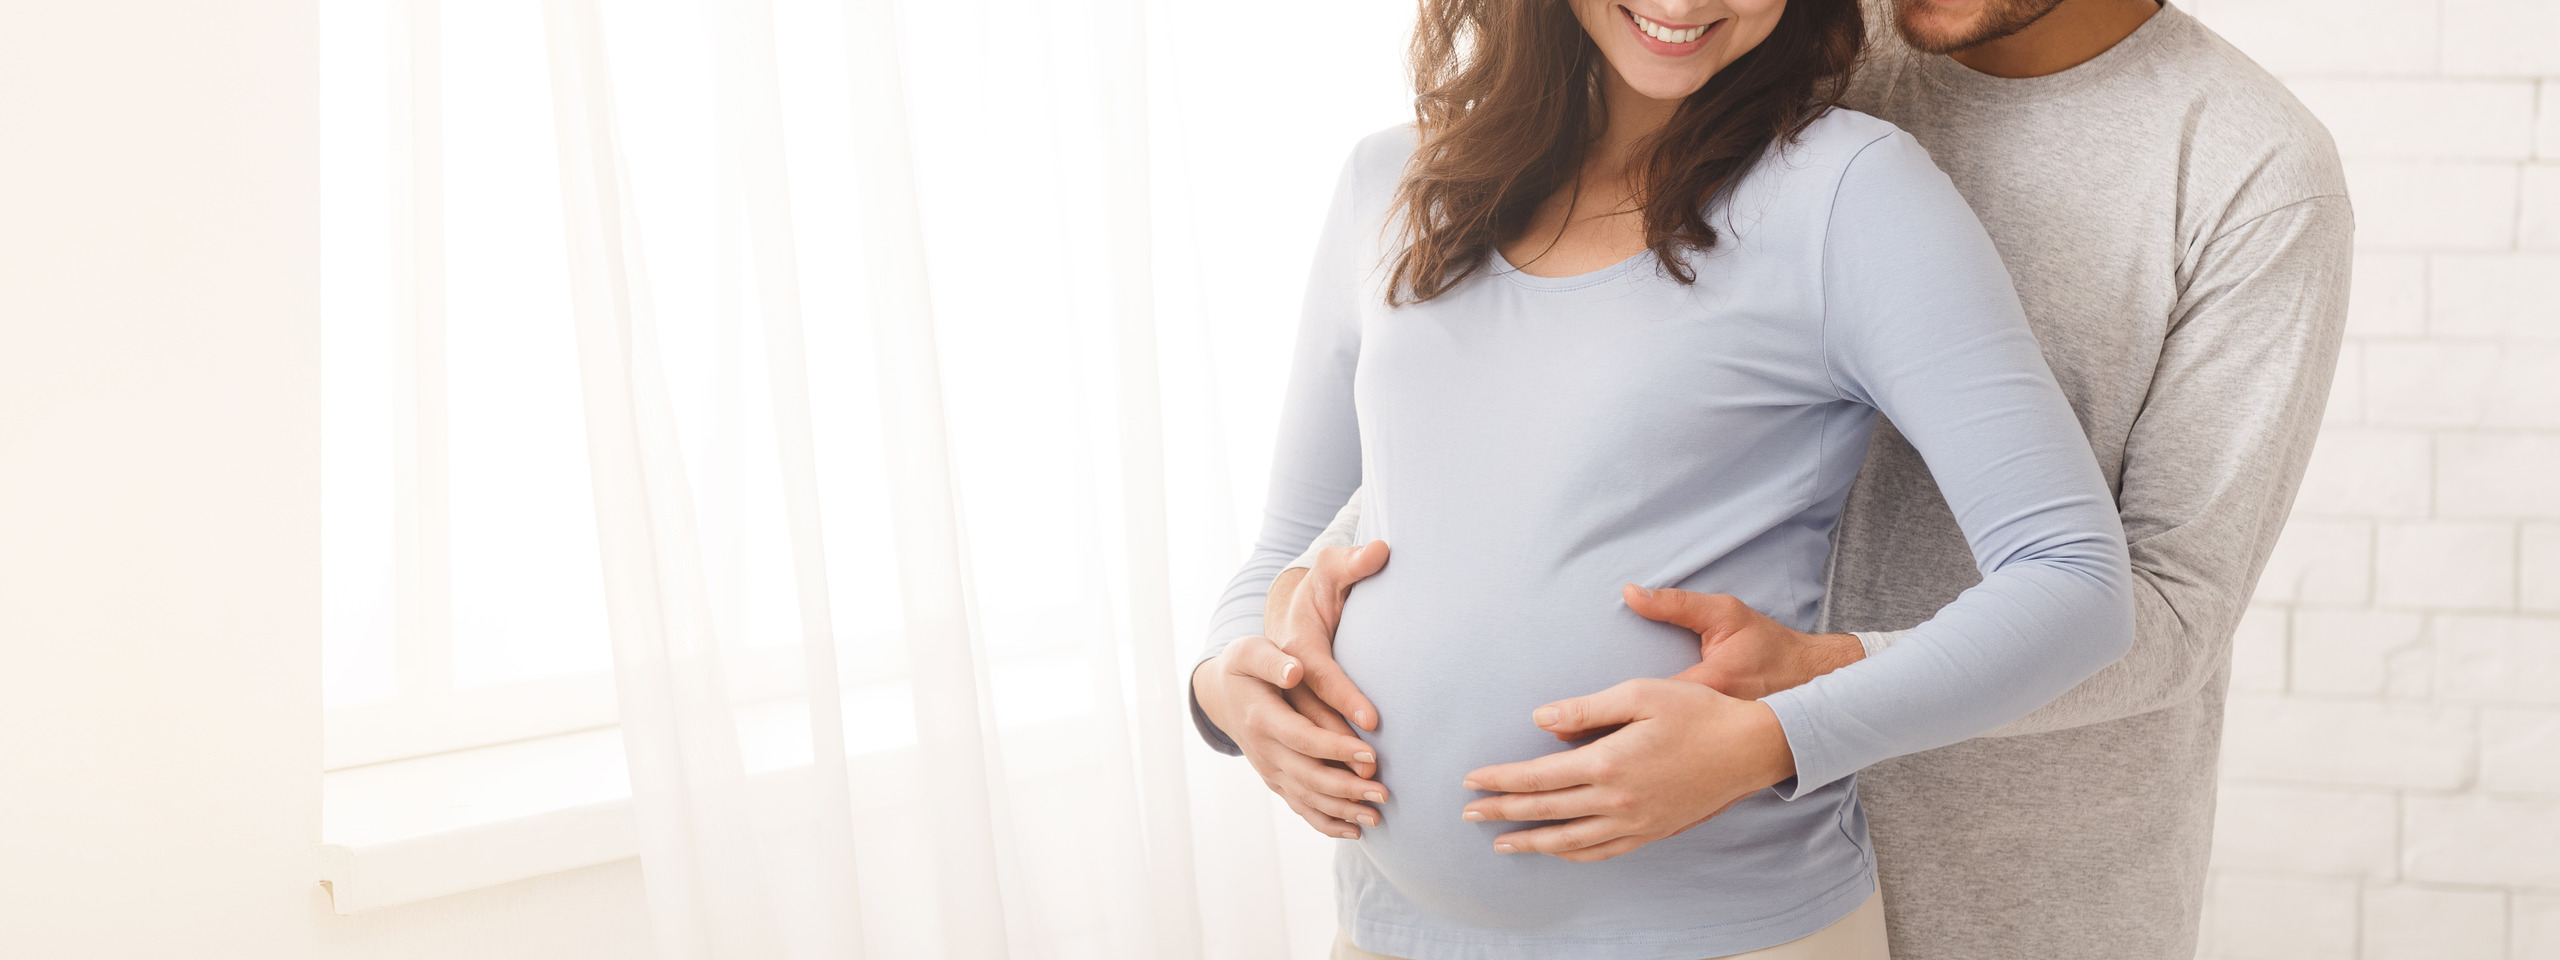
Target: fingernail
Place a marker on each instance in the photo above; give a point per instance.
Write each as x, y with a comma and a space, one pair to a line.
1351, 834
1473, 817
1640, 588
1375, 797
1362, 718
1368, 821
1504, 848
1364, 757
1288, 668
1546, 715
1471, 785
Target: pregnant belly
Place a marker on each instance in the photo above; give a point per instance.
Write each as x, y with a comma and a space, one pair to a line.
1455, 671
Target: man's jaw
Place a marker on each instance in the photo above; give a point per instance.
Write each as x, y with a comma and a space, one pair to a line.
1949, 28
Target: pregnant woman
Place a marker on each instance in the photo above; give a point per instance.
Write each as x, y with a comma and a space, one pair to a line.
1621, 308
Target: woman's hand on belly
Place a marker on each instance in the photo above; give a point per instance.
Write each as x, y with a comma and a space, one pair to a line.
1682, 753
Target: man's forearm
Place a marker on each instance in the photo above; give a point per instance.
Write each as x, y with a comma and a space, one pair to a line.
1342, 532
1276, 602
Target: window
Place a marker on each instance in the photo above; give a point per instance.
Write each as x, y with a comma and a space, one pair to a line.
462, 586
470, 671
463, 593
464, 602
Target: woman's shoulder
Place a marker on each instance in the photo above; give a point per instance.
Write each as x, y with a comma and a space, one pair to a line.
1841, 137
1810, 169
1844, 166
1371, 174
1380, 157
1844, 124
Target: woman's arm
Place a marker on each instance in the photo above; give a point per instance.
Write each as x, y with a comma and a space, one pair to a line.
1248, 695
2211, 466
1921, 322
1316, 464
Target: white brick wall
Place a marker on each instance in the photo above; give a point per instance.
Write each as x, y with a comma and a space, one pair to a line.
2534, 927
2540, 227
2505, 298
2283, 918
2434, 923
2391, 774
2404, 205
2362, 653
2539, 570
2520, 751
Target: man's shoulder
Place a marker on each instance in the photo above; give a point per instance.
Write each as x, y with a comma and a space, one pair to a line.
2240, 124
2242, 140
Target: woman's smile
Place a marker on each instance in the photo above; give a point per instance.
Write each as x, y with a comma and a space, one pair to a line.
1668, 39
1665, 50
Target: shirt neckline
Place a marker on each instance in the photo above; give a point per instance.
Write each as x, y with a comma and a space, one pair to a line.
1502, 267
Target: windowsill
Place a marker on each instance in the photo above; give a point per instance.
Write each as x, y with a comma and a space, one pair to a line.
427, 827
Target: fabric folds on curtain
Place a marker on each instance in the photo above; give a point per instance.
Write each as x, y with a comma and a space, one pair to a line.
857, 724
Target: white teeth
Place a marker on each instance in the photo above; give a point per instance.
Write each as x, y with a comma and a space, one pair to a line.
1666, 34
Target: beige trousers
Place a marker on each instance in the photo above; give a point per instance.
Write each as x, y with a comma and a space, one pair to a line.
1858, 936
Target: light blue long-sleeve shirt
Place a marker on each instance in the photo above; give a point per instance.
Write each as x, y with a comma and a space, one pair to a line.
1527, 444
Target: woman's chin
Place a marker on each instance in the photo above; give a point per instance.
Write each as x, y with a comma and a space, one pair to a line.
1666, 85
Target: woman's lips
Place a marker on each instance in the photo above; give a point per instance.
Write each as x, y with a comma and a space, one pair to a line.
1699, 34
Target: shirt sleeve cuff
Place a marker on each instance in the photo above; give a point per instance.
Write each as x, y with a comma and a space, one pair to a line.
1872, 642
1817, 760
1216, 739
1339, 533
1307, 560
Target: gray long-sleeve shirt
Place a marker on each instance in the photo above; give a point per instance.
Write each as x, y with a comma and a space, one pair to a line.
2179, 231
1531, 443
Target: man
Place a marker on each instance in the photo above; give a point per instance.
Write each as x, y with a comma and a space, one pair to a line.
2179, 231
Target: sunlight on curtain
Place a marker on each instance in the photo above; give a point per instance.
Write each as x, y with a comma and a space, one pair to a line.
897, 383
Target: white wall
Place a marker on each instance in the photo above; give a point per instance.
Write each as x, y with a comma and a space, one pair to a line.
159, 508
2391, 777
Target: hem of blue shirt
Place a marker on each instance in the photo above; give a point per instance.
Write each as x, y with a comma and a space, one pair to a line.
1418, 943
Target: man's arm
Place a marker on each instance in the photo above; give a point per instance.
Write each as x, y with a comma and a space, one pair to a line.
2214, 459
1339, 533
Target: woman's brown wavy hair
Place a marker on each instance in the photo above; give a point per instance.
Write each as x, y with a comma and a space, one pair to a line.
1507, 99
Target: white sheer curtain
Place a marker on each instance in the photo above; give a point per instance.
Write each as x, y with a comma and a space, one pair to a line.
910, 490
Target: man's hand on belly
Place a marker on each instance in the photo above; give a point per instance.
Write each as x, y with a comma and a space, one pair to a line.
1742, 652
1301, 612
1681, 753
